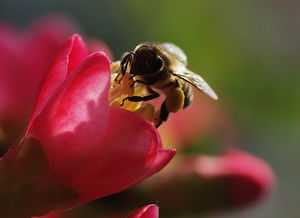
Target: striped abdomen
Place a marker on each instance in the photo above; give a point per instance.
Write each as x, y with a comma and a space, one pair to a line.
188, 93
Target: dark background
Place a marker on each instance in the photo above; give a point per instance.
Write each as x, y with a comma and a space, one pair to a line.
249, 51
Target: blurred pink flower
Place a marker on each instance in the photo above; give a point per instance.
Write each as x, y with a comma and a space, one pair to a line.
207, 183
77, 148
204, 117
248, 178
24, 59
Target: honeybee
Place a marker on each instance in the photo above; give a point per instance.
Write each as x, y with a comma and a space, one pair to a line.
162, 67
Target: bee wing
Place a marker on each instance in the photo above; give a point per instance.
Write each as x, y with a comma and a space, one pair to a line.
176, 52
195, 80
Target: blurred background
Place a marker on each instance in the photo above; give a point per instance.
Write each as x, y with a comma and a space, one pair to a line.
247, 50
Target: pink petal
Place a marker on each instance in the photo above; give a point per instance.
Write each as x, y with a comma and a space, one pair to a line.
71, 55
148, 211
163, 157
72, 123
126, 155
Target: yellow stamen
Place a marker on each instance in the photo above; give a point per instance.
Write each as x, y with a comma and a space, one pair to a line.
127, 87
147, 111
122, 87
115, 66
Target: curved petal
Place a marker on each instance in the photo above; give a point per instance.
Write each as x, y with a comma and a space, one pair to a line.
122, 159
71, 55
163, 157
71, 125
148, 211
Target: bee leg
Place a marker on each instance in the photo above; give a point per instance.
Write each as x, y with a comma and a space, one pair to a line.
117, 80
164, 114
134, 98
132, 76
124, 65
125, 62
142, 82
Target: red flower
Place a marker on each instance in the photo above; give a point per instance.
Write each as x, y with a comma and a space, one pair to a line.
78, 148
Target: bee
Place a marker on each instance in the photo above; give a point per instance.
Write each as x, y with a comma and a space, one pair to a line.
162, 67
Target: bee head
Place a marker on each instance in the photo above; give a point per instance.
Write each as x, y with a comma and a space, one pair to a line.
146, 61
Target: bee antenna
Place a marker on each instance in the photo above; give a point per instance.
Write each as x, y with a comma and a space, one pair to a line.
132, 53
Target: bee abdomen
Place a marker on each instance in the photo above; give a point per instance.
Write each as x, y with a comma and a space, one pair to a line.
188, 94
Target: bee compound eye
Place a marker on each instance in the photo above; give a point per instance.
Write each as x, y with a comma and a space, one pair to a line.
159, 64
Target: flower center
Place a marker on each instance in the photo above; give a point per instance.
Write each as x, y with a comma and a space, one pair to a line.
124, 87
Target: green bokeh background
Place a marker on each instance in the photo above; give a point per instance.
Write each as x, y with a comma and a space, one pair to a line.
248, 50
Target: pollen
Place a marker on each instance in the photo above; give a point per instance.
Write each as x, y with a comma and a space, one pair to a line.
175, 100
123, 87
147, 111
